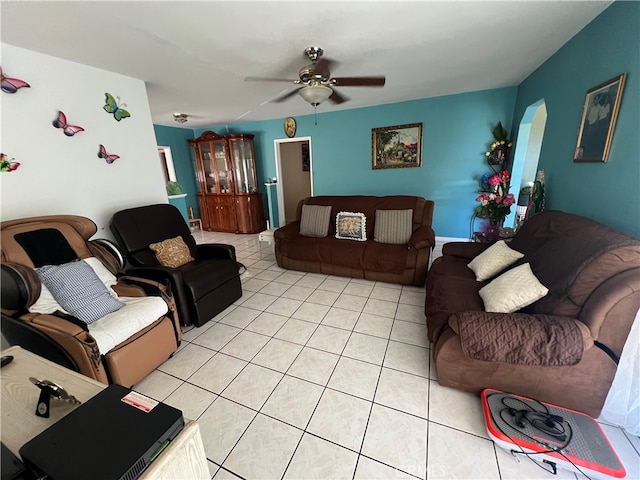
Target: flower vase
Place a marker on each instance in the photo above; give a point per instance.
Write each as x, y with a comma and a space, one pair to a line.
492, 231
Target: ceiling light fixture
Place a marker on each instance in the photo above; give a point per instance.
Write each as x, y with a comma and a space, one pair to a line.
315, 94
180, 117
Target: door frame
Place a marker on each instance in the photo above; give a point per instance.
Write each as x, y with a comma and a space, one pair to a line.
279, 186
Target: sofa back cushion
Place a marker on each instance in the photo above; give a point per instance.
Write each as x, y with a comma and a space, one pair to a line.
367, 204
572, 255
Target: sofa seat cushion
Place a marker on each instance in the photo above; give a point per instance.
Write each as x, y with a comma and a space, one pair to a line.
203, 276
521, 339
116, 327
388, 258
341, 252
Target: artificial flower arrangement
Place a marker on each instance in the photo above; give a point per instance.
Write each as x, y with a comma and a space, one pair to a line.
499, 150
496, 206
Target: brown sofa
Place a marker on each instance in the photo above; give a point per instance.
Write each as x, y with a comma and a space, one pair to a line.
563, 348
406, 264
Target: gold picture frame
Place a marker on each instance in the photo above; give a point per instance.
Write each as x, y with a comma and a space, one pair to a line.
599, 115
398, 146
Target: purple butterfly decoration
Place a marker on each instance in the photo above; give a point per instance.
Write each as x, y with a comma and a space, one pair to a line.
11, 85
61, 122
109, 157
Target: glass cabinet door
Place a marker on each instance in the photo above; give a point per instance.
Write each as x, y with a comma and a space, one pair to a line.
209, 174
244, 165
222, 169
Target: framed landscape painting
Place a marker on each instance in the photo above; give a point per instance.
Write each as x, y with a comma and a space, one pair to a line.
599, 115
399, 146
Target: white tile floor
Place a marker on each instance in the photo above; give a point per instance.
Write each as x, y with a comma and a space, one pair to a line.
316, 376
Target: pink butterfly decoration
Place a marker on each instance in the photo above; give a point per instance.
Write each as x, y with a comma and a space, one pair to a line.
109, 157
7, 165
61, 122
11, 85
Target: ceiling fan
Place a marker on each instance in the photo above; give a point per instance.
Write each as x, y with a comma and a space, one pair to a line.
317, 83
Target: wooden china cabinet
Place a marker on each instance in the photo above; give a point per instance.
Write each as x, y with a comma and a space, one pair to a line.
227, 182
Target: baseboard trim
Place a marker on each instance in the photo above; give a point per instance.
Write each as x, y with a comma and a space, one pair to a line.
442, 240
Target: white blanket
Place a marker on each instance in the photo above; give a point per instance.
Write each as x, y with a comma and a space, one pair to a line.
117, 326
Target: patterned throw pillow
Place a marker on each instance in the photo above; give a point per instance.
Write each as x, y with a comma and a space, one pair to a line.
494, 260
512, 290
314, 220
351, 226
172, 252
77, 288
393, 226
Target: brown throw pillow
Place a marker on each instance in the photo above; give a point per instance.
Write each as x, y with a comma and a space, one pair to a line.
172, 252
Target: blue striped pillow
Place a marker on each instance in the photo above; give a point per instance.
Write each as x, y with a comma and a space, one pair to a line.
77, 288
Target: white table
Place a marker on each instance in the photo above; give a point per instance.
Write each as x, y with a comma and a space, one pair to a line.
183, 458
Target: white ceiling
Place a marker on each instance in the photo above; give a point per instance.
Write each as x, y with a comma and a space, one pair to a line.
194, 55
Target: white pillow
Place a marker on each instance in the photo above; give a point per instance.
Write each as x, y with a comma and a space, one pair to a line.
47, 304
105, 276
512, 290
494, 260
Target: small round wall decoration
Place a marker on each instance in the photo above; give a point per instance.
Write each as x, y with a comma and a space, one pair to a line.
290, 127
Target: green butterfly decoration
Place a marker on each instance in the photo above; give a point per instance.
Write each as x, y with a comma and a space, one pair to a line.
112, 107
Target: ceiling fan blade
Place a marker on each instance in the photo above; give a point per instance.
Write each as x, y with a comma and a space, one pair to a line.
377, 81
286, 96
338, 98
267, 79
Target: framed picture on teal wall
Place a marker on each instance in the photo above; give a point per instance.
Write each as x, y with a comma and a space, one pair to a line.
599, 115
399, 146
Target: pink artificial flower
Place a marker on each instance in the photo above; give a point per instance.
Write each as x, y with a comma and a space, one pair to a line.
483, 197
498, 199
509, 200
494, 181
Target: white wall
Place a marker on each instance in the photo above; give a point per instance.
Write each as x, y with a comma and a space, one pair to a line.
63, 175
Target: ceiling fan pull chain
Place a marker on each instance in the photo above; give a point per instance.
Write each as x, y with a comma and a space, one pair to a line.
315, 115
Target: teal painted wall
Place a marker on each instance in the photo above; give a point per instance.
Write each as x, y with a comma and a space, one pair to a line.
607, 192
456, 133
176, 138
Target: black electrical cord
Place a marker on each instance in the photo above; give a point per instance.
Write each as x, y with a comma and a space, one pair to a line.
554, 424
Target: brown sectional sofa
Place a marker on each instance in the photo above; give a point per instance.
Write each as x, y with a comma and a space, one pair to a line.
406, 264
593, 276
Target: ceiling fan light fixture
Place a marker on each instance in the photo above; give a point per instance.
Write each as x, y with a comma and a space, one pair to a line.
180, 117
315, 94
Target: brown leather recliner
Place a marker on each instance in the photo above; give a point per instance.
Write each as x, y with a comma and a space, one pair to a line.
203, 287
31, 243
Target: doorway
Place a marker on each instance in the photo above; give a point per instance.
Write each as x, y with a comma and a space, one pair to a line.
294, 167
527, 152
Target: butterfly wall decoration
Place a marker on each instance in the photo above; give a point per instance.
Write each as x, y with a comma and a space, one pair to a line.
11, 85
112, 106
6, 165
109, 157
61, 122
